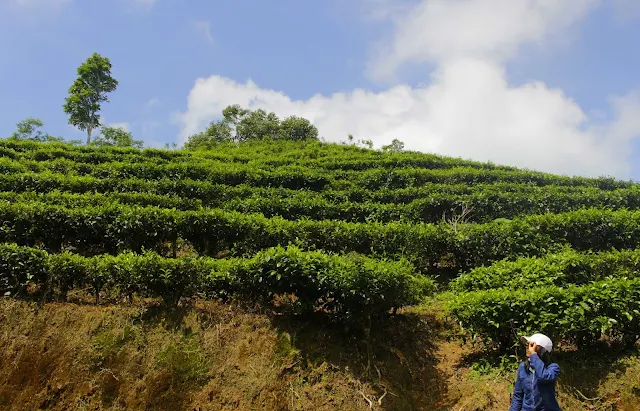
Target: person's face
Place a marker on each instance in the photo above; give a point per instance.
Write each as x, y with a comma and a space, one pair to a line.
531, 348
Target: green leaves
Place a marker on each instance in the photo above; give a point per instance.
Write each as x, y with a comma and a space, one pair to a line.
240, 125
579, 313
567, 267
317, 279
116, 136
112, 227
283, 214
88, 91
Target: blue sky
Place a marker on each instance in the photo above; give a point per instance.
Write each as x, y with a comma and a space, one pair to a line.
554, 92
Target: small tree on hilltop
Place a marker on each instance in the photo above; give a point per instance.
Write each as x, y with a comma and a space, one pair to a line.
88, 91
298, 128
239, 125
28, 129
396, 146
116, 137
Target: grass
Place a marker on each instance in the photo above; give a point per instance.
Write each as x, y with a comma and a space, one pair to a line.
223, 357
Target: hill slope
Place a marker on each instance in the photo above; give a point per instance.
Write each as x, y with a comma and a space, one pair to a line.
306, 275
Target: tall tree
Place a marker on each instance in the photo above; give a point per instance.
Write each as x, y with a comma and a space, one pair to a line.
87, 93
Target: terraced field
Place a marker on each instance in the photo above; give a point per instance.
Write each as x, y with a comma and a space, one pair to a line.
350, 232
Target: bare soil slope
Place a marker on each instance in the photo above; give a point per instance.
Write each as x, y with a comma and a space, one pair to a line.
210, 356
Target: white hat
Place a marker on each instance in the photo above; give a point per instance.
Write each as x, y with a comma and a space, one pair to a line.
540, 339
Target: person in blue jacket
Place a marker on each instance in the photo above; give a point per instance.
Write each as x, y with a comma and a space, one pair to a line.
535, 388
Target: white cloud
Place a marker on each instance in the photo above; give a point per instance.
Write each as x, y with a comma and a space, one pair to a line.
204, 30
468, 109
443, 30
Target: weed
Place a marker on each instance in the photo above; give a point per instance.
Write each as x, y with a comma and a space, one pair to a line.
184, 360
496, 366
108, 343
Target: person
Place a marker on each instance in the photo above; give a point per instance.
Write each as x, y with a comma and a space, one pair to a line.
535, 387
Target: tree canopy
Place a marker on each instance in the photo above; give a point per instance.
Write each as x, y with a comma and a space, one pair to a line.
116, 137
29, 129
87, 93
239, 125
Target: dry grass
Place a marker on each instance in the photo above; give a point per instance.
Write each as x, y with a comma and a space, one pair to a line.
221, 357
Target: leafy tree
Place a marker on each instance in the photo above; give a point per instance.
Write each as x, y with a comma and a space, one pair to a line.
200, 141
239, 125
87, 93
116, 137
220, 131
366, 143
396, 146
28, 129
257, 124
298, 128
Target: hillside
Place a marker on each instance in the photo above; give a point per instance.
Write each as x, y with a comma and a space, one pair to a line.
307, 275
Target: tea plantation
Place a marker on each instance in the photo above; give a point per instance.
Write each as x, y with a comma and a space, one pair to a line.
345, 230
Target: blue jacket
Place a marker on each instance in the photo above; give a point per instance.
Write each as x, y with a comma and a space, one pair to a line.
535, 390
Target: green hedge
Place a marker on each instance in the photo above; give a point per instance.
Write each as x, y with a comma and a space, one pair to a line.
112, 228
580, 314
74, 200
488, 203
352, 286
292, 176
275, 166
568, 267
311, 154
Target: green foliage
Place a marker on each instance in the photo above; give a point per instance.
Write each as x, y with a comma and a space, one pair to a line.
572, 296
337, 228
396, 146
116, 136
185, 360
69, 199
355, 205
347, 286
21, 267
107, 345
297, 129
351, 286
568, 267
240, 125
115, 227
28, 129
87, 93
578, 313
